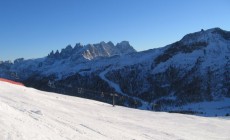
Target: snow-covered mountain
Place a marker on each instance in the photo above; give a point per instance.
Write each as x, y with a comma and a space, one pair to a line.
179, 77
30, 114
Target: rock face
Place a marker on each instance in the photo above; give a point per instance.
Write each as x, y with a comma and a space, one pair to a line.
93, 51
192, 70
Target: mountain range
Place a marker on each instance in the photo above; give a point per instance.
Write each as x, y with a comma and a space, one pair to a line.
190, 76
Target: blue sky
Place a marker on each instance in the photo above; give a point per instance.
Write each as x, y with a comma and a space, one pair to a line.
32, 28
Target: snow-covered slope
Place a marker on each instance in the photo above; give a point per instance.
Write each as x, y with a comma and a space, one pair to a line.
29, 114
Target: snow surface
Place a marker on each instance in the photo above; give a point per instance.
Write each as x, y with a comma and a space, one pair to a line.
29, 114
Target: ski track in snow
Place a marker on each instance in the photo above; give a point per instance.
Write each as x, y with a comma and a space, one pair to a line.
29, 114
117, 88
112, 84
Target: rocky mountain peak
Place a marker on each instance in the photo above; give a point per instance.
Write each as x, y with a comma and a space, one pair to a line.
214, 41
214, 34
92, 51
104, 49
110, 43
224, 34
125, 47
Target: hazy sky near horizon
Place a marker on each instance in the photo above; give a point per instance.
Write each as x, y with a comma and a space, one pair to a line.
32, 28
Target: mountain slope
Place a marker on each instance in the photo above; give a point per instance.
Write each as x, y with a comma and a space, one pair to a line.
187, 72
26, 114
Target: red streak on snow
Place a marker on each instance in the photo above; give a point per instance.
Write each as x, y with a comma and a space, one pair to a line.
12, 82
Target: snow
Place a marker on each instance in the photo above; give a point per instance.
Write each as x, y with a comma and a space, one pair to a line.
29, 114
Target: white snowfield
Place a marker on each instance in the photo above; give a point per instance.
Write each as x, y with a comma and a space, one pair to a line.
29, 114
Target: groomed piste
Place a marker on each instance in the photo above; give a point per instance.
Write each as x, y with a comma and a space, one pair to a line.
30, 114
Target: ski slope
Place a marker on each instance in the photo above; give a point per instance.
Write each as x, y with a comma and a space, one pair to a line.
29, 114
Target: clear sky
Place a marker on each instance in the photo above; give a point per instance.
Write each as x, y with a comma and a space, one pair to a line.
32, 28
